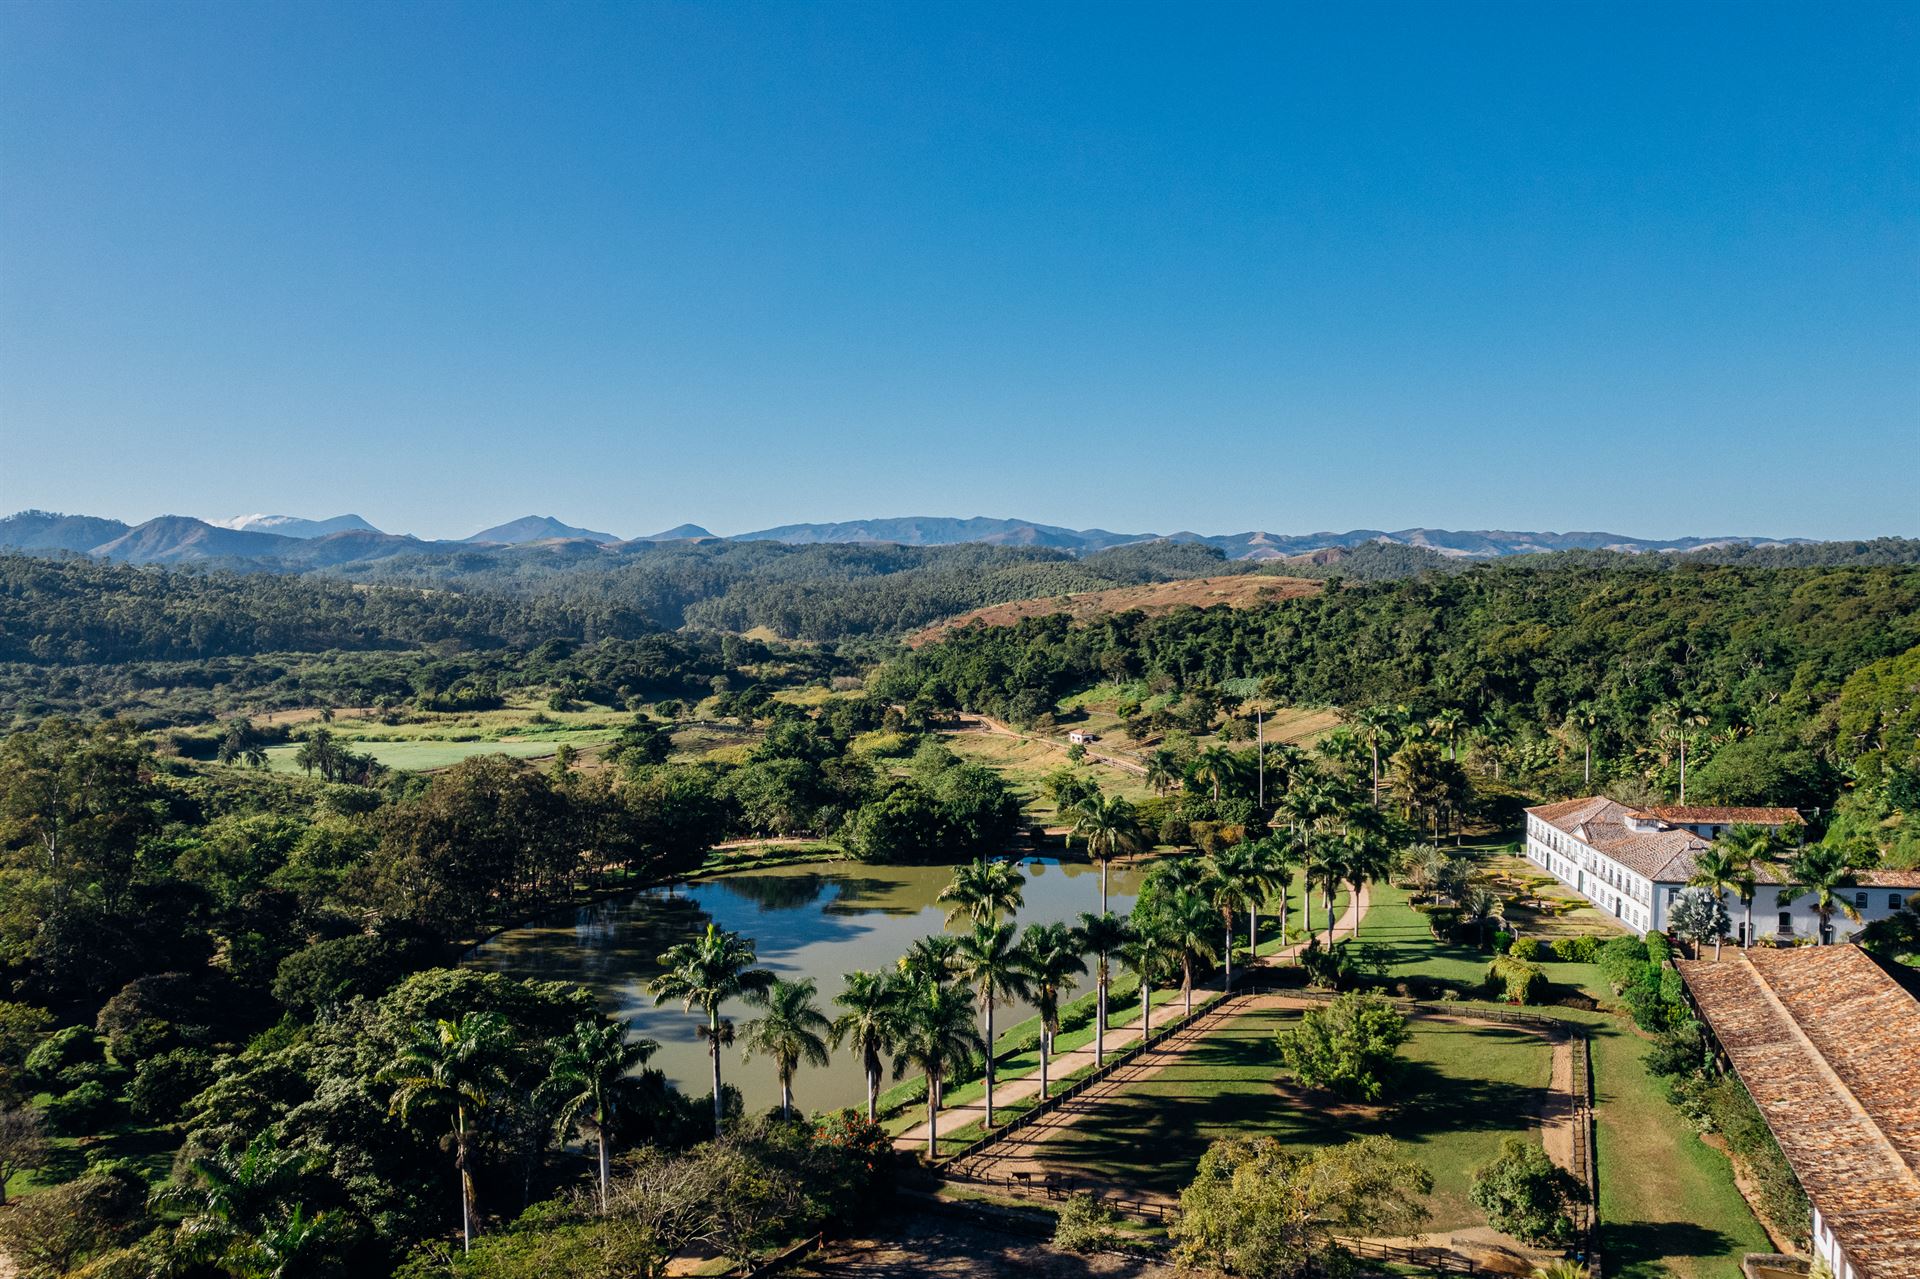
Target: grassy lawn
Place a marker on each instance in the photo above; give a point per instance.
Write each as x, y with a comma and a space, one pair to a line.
148, 1149
1465, 1088
1025, 763
1668, 1204
420, 755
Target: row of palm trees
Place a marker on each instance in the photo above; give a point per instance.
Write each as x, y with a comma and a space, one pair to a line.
1744, 856
934, 1012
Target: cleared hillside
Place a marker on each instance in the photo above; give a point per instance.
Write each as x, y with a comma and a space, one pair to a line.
1237, 591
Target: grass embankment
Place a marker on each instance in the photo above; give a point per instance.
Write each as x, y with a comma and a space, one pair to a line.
1464, 1088
1668, 1203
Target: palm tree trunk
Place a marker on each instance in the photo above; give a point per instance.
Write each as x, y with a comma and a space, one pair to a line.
989, 1002
1103, 885
713, 1050
1100, 1016
873, 1093
466, 1186
1746, 939
1253, 935
786, 1095
1146, 1009
933, 1119
1227, 980
1045, 1039
602, 1123
1186, 980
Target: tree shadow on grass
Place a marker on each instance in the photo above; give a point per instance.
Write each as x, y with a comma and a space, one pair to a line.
1641, 1248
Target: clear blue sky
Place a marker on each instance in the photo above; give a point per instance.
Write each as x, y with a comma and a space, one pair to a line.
1648, 268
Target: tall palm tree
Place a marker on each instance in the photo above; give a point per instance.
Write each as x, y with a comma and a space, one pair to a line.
591, 1075
452, 1066
1103, 935
869, 1024
1273, 857
1586, 718
1722, 869
703, 974
1376, 724
229, 1198
1187, 920
936, 1036
1822, 870
1148, 953
1446, 725
984, 890
1163, 771
1110, 826
1213, 767
791, 1030
1055, 955
991, 960
930, 958
1234, 883
1751, 849
1674, 723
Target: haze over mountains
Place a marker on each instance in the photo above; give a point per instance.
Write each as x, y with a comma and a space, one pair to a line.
298, 543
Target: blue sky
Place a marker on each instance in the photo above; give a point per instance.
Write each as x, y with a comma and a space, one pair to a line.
1648, 268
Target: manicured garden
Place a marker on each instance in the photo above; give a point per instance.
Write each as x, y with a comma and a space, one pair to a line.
1464, 1087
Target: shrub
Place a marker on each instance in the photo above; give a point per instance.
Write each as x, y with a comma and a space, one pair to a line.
1086, 1225
1351, 1047
1502, 941
1622, 960
165, 1082
73, 1046
1659, 949
1441, 921
1740, 1122
1678, 1049
1516, 980
1576, 950
1525, 948
1525, 1194
85, 1109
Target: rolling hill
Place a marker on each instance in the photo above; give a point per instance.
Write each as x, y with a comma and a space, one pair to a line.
1242, 590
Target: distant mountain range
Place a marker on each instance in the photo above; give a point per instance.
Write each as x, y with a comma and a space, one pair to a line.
291, 542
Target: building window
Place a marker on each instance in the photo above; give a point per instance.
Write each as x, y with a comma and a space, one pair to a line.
1786, 921
1893, 901
1859, 901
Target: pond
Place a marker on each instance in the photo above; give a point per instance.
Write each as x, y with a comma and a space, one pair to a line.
820, 920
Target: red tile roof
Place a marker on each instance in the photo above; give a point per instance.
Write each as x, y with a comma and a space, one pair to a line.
1829, 1046
1695, 815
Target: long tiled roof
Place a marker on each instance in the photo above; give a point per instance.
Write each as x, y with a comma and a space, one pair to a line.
1829, 1046
1693, 814
1664, 856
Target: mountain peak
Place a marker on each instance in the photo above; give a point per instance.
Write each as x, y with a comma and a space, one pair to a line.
295, 525
678, 533
536, 528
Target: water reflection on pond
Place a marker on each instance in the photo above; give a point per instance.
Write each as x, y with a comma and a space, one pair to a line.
819, 920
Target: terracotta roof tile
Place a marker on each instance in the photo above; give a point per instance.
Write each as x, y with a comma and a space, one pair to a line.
1725, 816
1829, 1046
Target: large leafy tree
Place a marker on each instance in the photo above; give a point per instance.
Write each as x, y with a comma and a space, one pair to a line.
1350, 1048
455, 1070
1259, 1209
1525, 1194
791, 1029
703, 974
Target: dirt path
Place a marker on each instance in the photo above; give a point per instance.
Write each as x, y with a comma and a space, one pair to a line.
929, 1246
1557, 1111
952, 1118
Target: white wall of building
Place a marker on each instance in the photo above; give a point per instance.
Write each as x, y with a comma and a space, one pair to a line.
1641, 905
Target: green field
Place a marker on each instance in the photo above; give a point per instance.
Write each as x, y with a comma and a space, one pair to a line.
420, 755
1668, 1203
1465, 1087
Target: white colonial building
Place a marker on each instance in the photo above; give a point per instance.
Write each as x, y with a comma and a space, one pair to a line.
1632, 862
